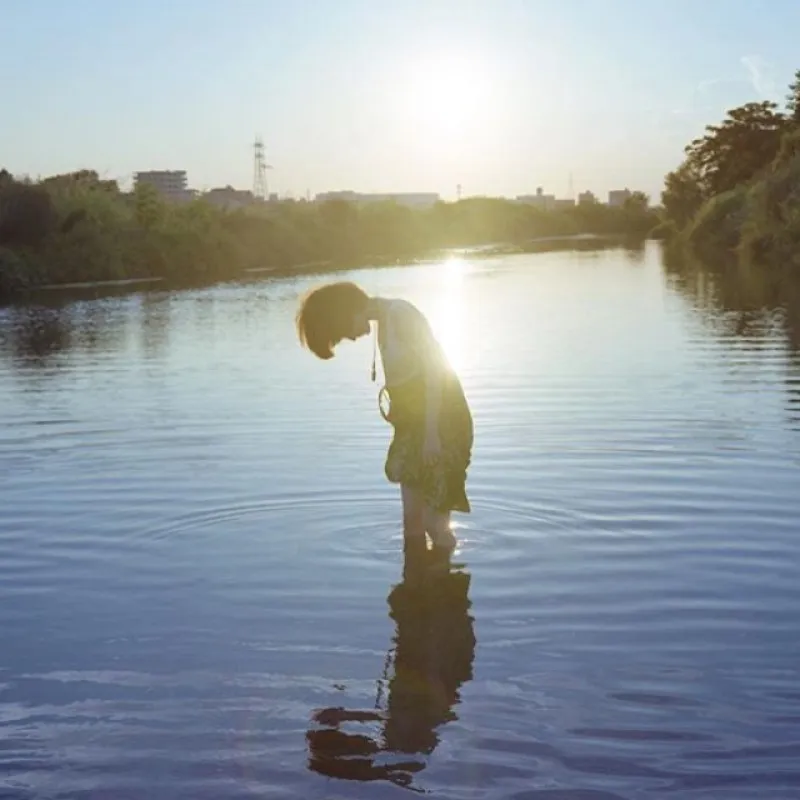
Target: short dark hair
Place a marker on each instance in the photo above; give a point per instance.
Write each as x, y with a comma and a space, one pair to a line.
324, 314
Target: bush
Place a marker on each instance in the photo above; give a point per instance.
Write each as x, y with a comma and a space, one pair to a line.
666, 229
27, 214
718, 225
771, 231
17, 272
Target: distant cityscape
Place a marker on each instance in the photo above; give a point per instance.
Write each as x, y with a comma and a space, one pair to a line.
173, 185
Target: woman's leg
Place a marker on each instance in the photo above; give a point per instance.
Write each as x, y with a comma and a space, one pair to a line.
413, 513
437, 524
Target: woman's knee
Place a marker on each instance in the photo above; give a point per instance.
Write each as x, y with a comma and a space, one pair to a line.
437, 525
413, 512
436, 521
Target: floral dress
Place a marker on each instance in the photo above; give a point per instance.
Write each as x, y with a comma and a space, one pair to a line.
409, 351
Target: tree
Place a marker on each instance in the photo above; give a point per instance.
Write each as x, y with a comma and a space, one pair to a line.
27, 214
683, 195
636, 201
793, 99
740, 148
148, 204
339, 213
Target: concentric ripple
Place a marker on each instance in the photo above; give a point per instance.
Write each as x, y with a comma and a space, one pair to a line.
202, 585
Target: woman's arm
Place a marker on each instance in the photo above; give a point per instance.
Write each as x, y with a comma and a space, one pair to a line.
433, 397
410, 329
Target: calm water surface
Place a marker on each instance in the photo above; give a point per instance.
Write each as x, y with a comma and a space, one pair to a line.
201, 570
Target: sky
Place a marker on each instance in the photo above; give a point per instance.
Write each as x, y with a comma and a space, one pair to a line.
499, 96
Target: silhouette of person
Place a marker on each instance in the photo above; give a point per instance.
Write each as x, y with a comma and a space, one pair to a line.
432, 656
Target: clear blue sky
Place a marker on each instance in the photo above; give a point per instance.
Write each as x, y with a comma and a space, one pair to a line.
412, 95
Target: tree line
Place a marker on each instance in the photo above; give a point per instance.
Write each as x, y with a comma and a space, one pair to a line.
77, 227
737, 190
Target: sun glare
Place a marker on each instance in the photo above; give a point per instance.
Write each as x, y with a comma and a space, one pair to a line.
446, 94
448, 316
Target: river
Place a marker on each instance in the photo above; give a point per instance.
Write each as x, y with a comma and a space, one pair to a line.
201, 570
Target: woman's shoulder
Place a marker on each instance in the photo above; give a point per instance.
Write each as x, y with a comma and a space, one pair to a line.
404, 311
399, 305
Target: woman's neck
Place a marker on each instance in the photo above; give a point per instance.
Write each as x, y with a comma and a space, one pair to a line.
376, 308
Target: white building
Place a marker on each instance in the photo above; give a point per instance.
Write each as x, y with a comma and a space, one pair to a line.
545, 202
617, 197
229, 198
410, 199
564, 202
171, 184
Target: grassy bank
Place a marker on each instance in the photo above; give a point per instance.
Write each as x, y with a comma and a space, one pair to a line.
76, 228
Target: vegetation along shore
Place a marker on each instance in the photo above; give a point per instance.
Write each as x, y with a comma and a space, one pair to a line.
735, 198
77, 228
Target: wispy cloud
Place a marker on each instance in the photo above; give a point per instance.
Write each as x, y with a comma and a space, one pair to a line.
762, 76
709, 95
706, 97
712, 96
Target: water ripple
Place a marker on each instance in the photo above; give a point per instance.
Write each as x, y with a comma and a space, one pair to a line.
202, 587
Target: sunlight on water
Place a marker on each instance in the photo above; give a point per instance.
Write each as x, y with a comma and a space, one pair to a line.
202, 586
450, 310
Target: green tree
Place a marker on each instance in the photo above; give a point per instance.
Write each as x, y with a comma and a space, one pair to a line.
789, 149
683, 195
27, 214
637, 201
793, 99
148, 205
80, 180
738, 149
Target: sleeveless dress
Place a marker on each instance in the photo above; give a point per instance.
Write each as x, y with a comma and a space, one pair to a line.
409, 349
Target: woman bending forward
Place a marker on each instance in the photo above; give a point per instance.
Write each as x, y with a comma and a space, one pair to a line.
433, 433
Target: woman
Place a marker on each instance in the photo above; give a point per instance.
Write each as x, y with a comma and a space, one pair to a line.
433, 432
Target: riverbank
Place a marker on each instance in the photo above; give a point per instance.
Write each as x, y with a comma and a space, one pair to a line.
755, 225
77, 229
56, 294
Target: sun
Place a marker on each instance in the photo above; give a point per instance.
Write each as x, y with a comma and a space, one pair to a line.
446, 93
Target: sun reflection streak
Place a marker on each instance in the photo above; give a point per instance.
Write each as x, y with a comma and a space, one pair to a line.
449, 314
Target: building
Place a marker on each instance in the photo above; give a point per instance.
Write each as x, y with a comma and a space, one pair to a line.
617, 197
546, 202
171, 184
410, 199
229, 198
343, 195
587, 198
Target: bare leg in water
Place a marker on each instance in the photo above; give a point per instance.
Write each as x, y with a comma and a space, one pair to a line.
419, 519
413, 514
437, 525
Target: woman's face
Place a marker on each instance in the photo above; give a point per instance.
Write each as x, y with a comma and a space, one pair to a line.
357, 327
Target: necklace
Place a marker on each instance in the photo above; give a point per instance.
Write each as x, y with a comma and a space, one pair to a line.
374, 352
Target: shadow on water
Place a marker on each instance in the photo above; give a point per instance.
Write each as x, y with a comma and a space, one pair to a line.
35, 336
635, 251
431, 658
43, 337
758, 306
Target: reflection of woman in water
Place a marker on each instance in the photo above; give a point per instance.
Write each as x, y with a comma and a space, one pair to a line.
434, 647
431, 449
